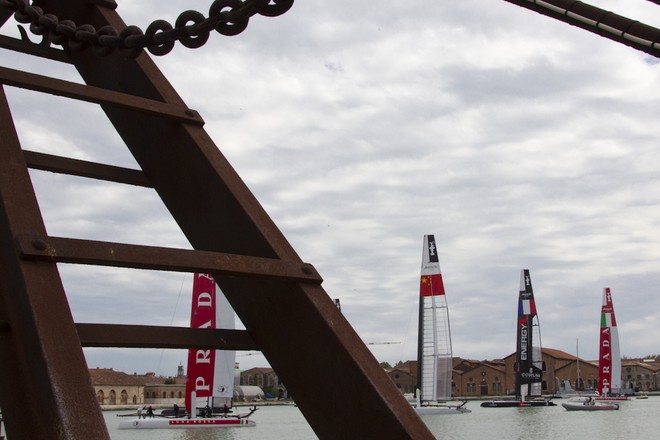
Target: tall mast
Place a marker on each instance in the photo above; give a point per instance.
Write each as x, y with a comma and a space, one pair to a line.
577, 360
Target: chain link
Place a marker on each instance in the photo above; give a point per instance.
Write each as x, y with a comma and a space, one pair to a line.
192, 28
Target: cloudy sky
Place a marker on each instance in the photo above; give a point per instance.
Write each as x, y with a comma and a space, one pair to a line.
519, 141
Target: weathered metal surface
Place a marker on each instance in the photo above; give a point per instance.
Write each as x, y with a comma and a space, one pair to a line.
145, 336
83, 168
295, 323
298, 327
599, 21
69, 250
177, 112
33, 49
191, 28
45, 387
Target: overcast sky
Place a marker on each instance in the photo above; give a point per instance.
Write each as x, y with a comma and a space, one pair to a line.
519, 141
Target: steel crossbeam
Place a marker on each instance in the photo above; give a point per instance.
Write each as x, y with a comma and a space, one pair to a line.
290, 318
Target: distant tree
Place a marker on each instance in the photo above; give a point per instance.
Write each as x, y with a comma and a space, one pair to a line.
170, 381
385, 365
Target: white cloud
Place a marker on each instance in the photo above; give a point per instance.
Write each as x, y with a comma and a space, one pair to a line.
519, 141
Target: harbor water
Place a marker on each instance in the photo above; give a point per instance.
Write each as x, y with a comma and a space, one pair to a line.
637, 419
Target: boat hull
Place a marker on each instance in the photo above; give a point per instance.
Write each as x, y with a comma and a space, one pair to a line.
585, 406
185, 423
439, 409
516, 403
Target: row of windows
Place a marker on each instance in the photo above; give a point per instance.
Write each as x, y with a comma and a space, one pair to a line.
112, 398
154, 394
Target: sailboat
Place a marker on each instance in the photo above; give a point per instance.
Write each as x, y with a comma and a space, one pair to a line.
434, 353
210, 384
609, 358
529, 364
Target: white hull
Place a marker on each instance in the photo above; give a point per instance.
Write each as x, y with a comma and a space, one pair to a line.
185, 423
428, 410
597, 398
589, 406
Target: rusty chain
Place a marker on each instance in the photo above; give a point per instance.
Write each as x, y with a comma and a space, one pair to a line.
192, 28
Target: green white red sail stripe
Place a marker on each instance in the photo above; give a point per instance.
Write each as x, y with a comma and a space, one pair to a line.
210, 372
609, 359
434, 356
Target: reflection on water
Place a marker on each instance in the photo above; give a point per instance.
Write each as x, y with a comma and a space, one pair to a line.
637, 419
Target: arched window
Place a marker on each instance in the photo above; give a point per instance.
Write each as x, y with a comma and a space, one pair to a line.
124, 397
100, 397
113, 398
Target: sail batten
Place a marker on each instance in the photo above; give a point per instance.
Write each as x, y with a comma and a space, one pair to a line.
434, 347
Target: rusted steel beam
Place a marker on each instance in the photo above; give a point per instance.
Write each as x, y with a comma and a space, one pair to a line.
101, 253
83, 168
45, 387
299, 329
599, 21
58, 87
33, 49
145, 336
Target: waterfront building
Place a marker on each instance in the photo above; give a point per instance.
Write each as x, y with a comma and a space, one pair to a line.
116, 387
266, 379
640, 375
472, 378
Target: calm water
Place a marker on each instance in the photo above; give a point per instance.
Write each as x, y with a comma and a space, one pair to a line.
637, 419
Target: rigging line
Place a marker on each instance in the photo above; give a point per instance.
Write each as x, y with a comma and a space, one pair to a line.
413, 310
176, 306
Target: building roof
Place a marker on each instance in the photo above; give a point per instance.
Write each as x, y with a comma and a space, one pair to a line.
554, 353
558, 354
641, 363
108, 376
259, 370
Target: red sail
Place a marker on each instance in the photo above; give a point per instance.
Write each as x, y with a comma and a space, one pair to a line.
201, 362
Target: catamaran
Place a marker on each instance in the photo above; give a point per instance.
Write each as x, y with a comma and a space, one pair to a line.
434, 353
529, 364
210, 385
609, 358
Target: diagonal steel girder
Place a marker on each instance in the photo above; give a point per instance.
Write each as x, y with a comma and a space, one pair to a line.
599, 21
298, 327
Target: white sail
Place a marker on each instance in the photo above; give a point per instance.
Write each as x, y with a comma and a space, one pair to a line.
225, 360
434, 351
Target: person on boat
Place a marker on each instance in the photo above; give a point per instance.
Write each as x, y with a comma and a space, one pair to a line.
176, 410
207, 411
139, 412
150, 412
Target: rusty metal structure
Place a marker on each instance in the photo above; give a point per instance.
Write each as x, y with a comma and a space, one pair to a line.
605, 23
45, 387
